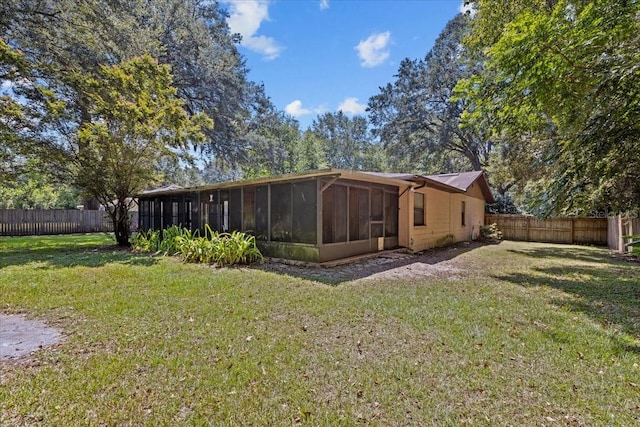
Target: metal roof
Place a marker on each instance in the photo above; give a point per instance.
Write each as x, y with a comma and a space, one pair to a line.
452, 182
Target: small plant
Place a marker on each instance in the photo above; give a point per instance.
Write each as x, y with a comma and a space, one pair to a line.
146, 241
490, 233
221, 249
171, 238
634, 244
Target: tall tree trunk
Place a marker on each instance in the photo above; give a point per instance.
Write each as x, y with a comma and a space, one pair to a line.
121, 224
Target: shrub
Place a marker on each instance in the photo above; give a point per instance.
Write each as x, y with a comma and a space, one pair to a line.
146, 241
221, 249
490, 233
634, 244
172, 238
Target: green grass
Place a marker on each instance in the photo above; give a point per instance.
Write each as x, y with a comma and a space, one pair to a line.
528, 334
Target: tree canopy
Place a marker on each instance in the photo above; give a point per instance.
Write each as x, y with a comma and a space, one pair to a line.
135, 119
417, 118
561, 90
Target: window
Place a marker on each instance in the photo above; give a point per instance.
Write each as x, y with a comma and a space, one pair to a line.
223, 210
262, 212
377, 205
174, 213
204, 210
152, 214
144, 214
418, 209
249, 210
281, 209
235, 209
462, 216
305, 217
354, 213
391, 214
328, 199
334, 214
363, 214
341, 207
188, 218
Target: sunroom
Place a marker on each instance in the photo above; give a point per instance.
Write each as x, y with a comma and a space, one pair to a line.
317, 216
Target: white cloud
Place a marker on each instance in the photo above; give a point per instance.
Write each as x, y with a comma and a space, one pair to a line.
351, 106
373, 51
245, 18
324, 4
295, 109
6, 85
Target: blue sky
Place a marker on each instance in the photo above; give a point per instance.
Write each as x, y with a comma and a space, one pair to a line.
315, 56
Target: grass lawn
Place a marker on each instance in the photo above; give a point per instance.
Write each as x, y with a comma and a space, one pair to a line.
521, 334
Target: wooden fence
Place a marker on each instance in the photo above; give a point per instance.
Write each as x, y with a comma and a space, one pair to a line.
620, 226
18, 222
552, 230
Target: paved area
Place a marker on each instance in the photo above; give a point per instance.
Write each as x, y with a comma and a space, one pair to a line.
20, 336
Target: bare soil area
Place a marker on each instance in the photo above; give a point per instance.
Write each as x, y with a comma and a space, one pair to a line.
440, 262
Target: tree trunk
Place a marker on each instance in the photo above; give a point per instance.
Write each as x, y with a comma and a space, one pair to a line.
121, 224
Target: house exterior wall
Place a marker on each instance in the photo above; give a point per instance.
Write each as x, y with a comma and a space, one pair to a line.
443, 218
288, 218
322, 218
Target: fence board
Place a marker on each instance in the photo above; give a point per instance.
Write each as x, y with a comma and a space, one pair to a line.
19, 222
551, 230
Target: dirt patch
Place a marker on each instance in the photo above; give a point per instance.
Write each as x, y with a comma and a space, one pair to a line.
440, 263
19, 337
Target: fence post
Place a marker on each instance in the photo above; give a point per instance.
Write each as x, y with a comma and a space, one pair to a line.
621, 246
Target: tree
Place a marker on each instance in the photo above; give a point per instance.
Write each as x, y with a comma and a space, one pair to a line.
312, 155
59, 39
347, 142
417, 118
135, 118
211, 77
33, 189
272, 140
562, 86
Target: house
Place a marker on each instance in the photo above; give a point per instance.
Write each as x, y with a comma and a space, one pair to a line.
331, 213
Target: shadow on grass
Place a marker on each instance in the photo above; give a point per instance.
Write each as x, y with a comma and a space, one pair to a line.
367, 266
571, 252
606, 288
63, 251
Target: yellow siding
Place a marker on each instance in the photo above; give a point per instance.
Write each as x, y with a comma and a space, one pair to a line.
443, 223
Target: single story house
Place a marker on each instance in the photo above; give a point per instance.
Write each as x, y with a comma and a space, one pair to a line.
331, 213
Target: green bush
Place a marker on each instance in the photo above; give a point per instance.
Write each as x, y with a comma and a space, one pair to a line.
634, 244
221, 249
490, 233
146, 241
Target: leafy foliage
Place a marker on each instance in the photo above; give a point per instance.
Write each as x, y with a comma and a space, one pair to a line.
490, 233
134, 118
221, 249
634, 244
346, 142
33, 189
560, 90
417, 118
